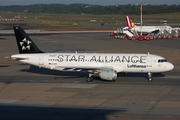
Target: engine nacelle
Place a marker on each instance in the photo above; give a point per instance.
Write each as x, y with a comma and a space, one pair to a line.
108, 74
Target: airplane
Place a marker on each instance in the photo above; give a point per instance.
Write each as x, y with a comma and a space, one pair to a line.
104, 65
146, 29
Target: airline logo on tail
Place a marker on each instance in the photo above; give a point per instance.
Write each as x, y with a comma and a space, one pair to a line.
129, 22
25, 44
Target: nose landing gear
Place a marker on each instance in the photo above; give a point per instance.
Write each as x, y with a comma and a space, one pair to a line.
150, 76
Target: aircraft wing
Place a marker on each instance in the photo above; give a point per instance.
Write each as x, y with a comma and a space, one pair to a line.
86, 68
155, 31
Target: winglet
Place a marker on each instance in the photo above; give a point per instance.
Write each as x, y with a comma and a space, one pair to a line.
24, 42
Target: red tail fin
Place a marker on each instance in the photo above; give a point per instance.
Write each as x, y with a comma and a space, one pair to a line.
129, 22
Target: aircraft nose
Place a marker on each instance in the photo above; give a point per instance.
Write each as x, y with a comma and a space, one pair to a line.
170, 66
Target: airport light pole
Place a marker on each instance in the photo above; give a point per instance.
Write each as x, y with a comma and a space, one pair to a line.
141, 17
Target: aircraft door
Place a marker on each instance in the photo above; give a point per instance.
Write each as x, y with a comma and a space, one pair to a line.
41, 63
149, 61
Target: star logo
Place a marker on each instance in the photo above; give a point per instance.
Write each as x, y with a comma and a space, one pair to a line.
25, 44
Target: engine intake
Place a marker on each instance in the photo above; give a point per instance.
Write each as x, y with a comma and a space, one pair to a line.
108, 74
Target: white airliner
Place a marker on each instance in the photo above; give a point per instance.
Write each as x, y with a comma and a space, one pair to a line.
146, 29
105, 66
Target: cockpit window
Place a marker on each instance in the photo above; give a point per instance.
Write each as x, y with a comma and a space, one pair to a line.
162, 60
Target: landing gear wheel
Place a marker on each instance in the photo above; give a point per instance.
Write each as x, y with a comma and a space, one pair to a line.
89, 79
150, 77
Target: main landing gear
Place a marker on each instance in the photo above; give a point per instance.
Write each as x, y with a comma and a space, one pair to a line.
89, 79
150, 76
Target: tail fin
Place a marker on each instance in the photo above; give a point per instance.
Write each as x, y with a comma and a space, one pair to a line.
24, 42
129, 22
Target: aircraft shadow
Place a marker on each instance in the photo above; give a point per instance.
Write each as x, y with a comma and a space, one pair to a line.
2, 38
74, 74
35, 69
145, 75
19, 112
2, 66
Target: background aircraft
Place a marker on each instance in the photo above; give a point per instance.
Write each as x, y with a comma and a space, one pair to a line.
145, 29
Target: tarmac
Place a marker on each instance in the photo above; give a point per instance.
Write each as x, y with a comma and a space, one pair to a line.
29, 92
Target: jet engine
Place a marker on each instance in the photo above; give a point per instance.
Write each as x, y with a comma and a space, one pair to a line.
108, 74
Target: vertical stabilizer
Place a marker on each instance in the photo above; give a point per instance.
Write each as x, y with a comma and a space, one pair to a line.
24, 42
129, 22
